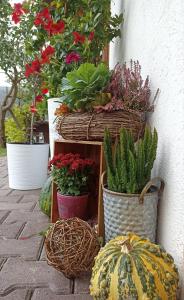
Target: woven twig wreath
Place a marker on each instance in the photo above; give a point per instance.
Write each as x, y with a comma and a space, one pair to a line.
71, 246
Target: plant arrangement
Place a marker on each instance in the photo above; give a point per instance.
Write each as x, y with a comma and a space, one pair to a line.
130, 267
101, 90
129, 169
129, 186
66, 34
71, 173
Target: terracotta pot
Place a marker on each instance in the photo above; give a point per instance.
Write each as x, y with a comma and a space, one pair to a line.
72, 206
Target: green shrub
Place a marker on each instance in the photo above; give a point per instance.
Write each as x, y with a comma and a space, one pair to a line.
129, 167
17, 131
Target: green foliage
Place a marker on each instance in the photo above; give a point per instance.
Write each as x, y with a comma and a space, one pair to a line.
45, 197
129, 169
83, 88
2, 151
17, 132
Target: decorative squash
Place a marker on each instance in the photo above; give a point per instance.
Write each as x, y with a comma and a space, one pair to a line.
45, 197
130, 267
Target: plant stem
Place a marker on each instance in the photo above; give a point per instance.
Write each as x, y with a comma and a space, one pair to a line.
31, 133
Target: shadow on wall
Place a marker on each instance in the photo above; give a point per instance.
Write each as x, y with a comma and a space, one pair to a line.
116, 48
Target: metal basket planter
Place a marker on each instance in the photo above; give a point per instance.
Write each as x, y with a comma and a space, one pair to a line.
124, 213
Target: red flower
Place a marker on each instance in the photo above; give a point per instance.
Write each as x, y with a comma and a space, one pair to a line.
39, 98
46, 54
44, 91
17, 12
78, 38
42, 17
54, 28
91, 36
32, 68
15, 18
72, 57
33, 109
58, 27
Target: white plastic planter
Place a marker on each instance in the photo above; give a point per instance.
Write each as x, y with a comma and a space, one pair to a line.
27, 165
53, 103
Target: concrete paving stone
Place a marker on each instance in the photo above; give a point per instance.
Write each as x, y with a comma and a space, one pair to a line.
34, 228
29, 198
3, 215
82, 285
36, 208
27, 216
46, 294
5, 192
11, 199
10, 231
28, 249
16, 206
30, 192
43, 254
19, 294
18, 273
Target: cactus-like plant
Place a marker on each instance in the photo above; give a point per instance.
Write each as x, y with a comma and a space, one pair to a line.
129, 164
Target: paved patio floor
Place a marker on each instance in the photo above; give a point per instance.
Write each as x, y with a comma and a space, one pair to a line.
24, 273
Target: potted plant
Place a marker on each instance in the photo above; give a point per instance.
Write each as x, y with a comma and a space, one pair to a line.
93, 97
66, 34
27, 161
130, 197
71, 173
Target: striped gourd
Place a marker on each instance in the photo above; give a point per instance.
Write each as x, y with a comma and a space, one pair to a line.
130, 267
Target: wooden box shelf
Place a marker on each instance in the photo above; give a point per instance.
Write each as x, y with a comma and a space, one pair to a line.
92, 150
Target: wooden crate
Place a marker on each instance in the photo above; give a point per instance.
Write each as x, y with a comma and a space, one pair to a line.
89, 149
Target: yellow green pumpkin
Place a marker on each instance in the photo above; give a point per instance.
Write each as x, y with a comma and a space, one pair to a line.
133, 268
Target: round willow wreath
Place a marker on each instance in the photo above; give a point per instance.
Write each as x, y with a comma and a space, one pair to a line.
71, 246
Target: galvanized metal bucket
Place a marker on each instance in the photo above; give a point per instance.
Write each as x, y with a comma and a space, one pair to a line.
124, 213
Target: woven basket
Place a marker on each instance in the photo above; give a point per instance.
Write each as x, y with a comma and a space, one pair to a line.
88, 126
124, 213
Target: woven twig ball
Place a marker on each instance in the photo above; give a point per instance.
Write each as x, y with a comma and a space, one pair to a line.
71, 246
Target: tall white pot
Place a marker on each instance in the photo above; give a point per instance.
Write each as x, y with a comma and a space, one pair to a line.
27, 165
53, 135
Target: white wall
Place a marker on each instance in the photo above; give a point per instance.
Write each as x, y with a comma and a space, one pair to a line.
153, 33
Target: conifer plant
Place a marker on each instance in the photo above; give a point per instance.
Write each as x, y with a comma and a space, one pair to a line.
129, 164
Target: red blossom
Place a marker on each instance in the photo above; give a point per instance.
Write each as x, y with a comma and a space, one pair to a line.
42, 17
44, 91
72, 57
15, 18
46, 54
32, 68
54, 28
18, 11
33, 109
78, 38
39, 98
91, 36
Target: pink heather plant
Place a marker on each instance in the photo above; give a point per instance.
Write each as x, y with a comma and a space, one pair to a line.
128, 90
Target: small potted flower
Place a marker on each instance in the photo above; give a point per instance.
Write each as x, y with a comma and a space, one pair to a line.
72, 174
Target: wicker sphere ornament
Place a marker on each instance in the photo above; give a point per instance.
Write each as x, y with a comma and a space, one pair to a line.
71, 246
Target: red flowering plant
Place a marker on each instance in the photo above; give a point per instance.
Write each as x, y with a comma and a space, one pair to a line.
66, 34
71, 173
